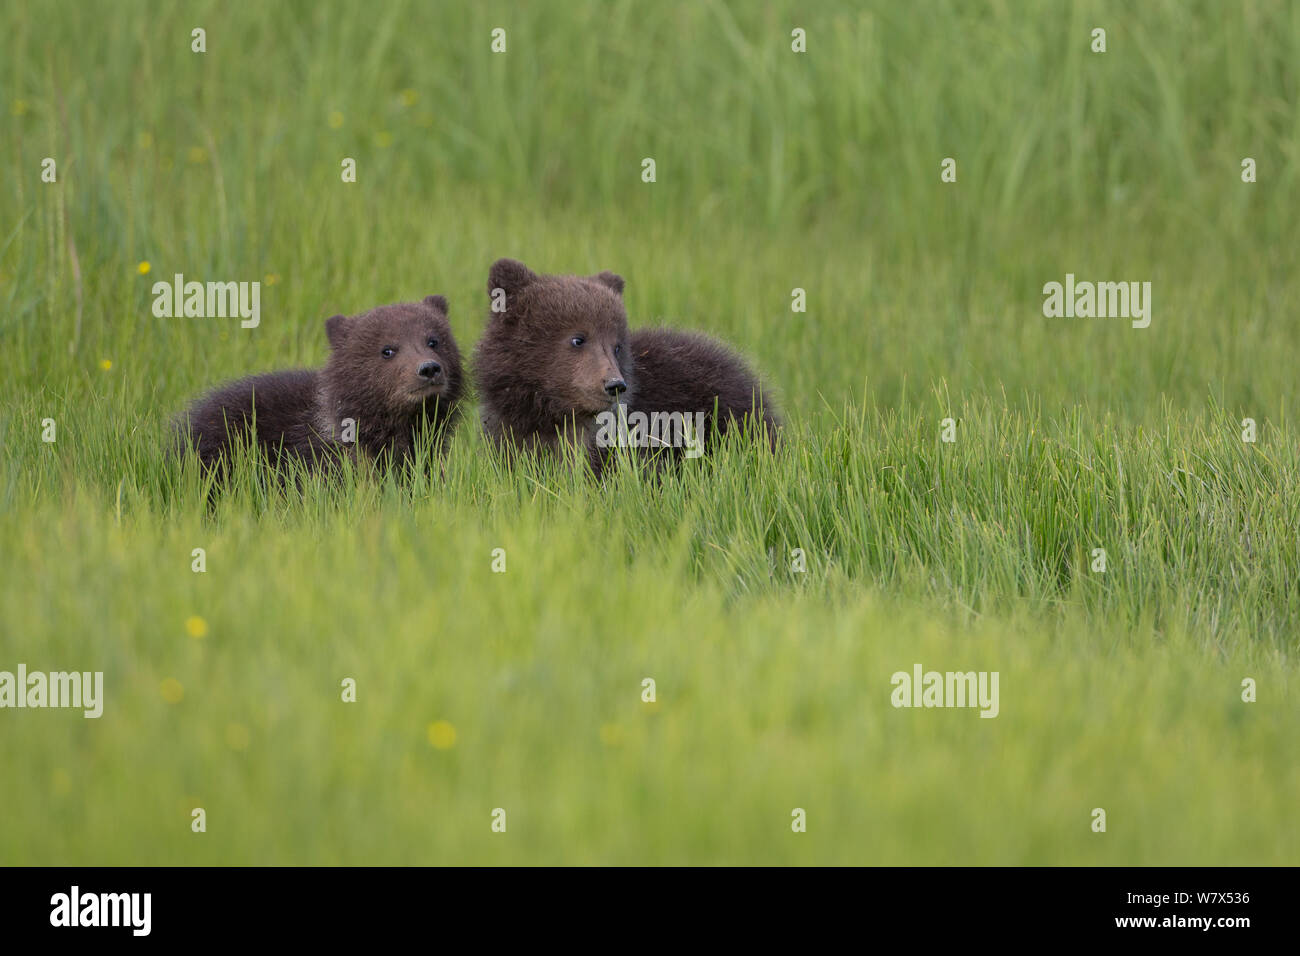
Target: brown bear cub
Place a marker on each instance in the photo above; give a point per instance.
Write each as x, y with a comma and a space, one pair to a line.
393, 373
557, 360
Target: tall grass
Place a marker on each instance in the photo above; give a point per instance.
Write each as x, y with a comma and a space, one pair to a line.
1120, 689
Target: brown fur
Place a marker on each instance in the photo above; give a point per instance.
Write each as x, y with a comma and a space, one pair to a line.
299, 413
539, 390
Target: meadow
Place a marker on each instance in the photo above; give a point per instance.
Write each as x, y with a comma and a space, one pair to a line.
770, 597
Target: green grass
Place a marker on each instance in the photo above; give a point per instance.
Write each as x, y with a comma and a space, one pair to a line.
1119, 690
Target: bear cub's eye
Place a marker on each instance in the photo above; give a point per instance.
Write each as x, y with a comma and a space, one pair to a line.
618, 350
433, 344
577, 341
388, 351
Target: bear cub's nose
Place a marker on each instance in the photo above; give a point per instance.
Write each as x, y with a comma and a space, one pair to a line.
615, 387
430, 370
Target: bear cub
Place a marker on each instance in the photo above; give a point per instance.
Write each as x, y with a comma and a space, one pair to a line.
558, 360
394, 372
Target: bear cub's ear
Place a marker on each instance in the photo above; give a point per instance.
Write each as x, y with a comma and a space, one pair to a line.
510, 275
336, 329
611, 280
437, 302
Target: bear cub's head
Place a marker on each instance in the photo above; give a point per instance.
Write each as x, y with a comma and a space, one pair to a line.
393, 364
556, 345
